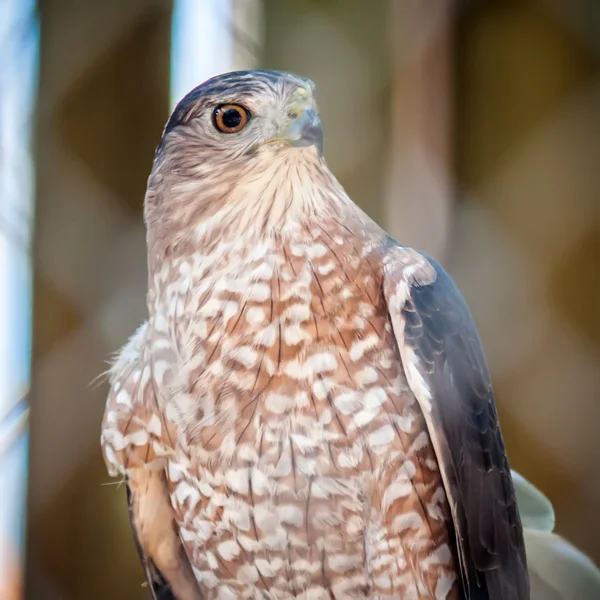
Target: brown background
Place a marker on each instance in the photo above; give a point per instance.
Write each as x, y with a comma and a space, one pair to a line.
471, 130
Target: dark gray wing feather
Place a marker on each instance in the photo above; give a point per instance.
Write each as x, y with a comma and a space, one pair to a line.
439, 329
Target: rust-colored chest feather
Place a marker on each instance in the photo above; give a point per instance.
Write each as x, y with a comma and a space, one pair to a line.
268, 333
299, 460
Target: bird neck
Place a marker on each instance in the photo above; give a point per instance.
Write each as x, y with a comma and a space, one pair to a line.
279, 194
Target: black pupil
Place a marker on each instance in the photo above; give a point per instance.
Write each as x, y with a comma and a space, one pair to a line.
231, 118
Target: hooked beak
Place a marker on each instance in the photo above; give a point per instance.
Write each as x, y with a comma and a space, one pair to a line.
303, 126
305, 130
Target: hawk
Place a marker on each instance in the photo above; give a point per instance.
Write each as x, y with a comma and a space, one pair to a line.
307, 411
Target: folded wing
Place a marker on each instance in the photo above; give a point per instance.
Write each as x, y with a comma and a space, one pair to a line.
446, 368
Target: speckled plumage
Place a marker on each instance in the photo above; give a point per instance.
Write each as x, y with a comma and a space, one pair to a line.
278, 416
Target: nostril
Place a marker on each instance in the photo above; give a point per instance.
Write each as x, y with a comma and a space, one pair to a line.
292, 115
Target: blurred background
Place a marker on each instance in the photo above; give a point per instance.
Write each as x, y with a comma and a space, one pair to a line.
469, 129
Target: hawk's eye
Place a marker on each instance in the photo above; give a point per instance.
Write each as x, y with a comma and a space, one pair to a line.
230, 118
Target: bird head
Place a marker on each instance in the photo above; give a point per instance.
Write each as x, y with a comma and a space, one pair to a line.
238, 153
244, 113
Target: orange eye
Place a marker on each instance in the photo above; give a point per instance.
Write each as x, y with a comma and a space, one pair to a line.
230, 118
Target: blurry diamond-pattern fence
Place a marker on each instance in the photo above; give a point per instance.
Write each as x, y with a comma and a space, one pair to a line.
469, 129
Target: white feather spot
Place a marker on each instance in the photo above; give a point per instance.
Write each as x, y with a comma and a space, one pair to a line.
383, 581
306, 466
240, 517
408, 467
325, 417
266, 520
176, 472
316, 251
160, 324
248, 544
326, 268
294, 335
441, 555
279, 404
255, 315
213, 563
230, 309
247, 574
341, 563
160, 343
366, 376
245, 355
264, 567
184, 492
187, 535
291, 514
385, 362
298, 249
138, 438
260, 483
404, 422
420, 442
111, 457
304, 442
207, 578
185, 269
347, 402
247, 453
404, 521
260, 250
123, 397
229, 549
324, 361
267, 336
401, 488
259, 292
263, 271
375, 397
364, 417
383, 435
203, 530
444, 585
322, 387
302, 400
314, 365
359, 347
348, 460
297, 313
237, 480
